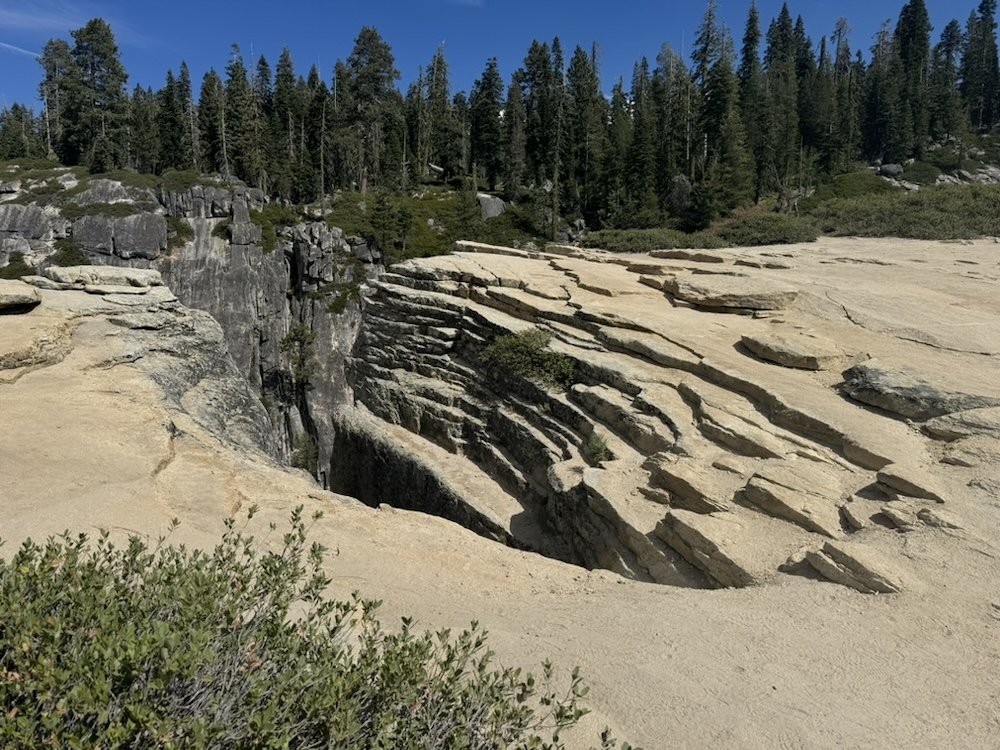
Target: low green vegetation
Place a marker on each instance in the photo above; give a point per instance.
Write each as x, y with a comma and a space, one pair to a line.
133, 645
222, 230
74, 211
526, 355
68, 253
272, 218
179, 233
644, 240
428, 222
942, 212
305, 455
765, 228
921, 173
16, 267
595, 449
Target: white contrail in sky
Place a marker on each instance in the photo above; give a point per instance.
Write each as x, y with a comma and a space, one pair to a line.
19, 50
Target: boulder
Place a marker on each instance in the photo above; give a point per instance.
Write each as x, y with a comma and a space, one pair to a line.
731, 293
891, 170
692, 486
490, 206
798, 491
906, 393
965, 424
857, 566
798, 350
911, 481
978, 450
710, 543
95, 233
80, 276
16, 296
140, 236
103, 191
27, 222
245, 233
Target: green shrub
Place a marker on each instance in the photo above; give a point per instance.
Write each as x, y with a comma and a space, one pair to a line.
941, 212
131, 178
168, 647
644, 240
595, 449
68, 253
16, 267
765, 229
270, 219
921, 172
179, 232
222, 230
178, 181
850, 185
305, 455
525, 355
73, 211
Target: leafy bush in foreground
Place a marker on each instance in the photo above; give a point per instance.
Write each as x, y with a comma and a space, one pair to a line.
525, 355
165, 647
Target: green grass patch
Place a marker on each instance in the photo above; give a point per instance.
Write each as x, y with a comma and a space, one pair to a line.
941, 212
526, 355
16, 267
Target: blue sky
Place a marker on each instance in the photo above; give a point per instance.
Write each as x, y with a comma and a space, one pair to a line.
155, 36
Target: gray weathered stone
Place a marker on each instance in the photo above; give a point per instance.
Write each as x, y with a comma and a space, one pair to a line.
906, 393
490, 206
104, 275
140, 236
94, 233
798, 350
709, 542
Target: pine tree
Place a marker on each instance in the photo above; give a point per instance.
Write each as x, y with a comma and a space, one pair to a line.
848, 79
913, 40
947, 111
783, 154
144, 147
96, 107
242, 122
729, 171
212, 124
486, 104
371, 78
753, 99
642, 209
615, 157
885, 124
515, 140
980, 72
585, 135
445, 130
59, 70
19, 134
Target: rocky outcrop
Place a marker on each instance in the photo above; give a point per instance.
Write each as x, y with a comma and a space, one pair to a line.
908, 394
857, 566
672, 457
16, 296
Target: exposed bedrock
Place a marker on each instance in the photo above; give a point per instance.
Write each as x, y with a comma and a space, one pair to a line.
691, 448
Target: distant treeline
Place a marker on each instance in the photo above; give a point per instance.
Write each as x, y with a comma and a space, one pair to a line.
684, 141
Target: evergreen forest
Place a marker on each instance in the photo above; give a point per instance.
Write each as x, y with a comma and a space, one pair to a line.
684, 142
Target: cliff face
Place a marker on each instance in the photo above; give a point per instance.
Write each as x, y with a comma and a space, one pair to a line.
205, 242
732, 415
